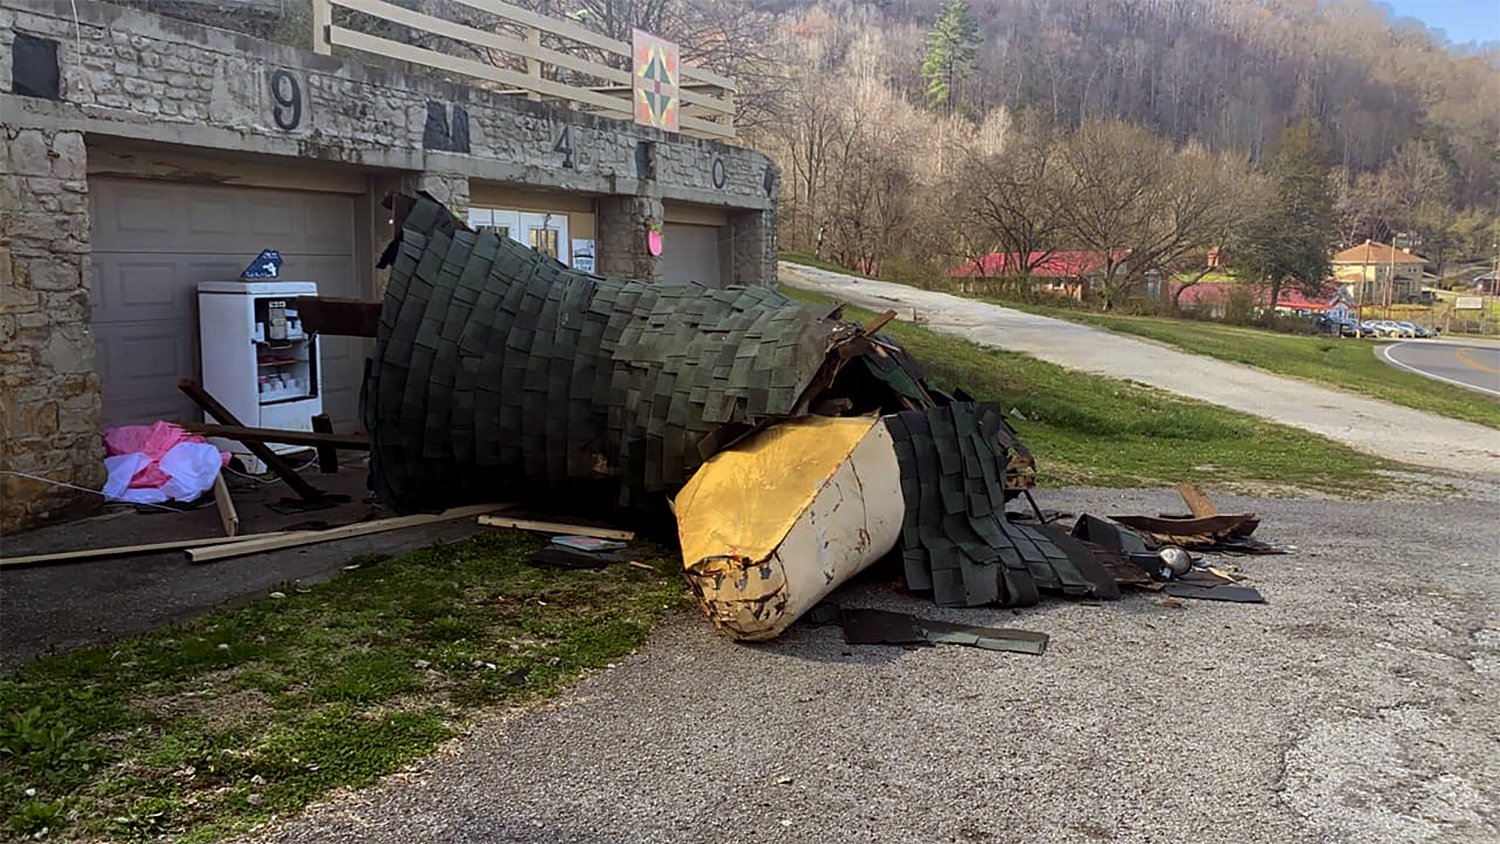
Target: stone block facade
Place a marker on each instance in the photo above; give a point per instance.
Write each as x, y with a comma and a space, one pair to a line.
131, 77
49, 387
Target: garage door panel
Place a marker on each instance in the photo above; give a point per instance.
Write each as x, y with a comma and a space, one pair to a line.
690, 254
139, 216
211, 217
123, 282
135, 287
143, 218
155, 241
342, 356
139, 365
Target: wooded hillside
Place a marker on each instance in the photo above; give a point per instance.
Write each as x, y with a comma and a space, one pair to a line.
867, 125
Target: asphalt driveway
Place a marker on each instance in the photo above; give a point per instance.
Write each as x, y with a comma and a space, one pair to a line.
1474, 366
1359, 705
1369, 425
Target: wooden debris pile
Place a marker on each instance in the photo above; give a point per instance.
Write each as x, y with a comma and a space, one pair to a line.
801, 447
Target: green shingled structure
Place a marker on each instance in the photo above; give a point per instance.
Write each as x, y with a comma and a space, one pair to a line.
501, 375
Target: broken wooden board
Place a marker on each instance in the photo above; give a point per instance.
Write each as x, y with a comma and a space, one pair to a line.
273, 461
313, 537
312, 439
557, 528
84, 554
229, 518
328, 454
340, 317
1197, 500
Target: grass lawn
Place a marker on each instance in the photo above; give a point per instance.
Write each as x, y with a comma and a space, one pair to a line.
207, 729
1346, 363
1091, 430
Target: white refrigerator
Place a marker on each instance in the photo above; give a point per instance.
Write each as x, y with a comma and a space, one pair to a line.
258, 361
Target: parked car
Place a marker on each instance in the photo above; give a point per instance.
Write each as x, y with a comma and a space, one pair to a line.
1342, 326
1369, 329
1409, 329
1388, 328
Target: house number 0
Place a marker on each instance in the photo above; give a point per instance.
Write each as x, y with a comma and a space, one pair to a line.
288, 96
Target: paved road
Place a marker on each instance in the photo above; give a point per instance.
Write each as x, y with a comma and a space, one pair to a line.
1359, 705
1370, 425
1473, 366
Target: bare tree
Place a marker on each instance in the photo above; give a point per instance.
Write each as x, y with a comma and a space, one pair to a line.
1015, 201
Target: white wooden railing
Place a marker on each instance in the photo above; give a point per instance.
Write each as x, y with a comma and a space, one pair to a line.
707, 97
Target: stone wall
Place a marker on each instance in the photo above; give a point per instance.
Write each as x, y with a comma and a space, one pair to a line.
753, 234
623, 224
49, 388
144, 76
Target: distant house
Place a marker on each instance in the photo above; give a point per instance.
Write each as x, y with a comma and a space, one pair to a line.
1207, 299
1365, 274
1064, 273
1330, 302
1212, 300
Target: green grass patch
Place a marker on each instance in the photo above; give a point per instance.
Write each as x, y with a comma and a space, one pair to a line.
1342, 362
1091, 430
204, 730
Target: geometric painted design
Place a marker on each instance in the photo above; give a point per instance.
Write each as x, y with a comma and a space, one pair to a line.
654, 83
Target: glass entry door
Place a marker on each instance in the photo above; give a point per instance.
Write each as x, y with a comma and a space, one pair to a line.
547, 233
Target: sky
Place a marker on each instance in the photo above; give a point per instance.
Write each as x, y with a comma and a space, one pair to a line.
1463, 20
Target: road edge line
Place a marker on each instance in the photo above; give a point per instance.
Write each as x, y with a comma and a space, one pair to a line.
1385, 355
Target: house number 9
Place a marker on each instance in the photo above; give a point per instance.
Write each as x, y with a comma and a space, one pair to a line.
288, 96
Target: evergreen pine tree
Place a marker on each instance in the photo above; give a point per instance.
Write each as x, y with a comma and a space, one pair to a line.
951, 47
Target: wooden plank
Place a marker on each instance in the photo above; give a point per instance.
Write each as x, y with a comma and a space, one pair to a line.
322, 16
690, 96
1237, 524
328, 456
619, 108
878, 322
229, 517
572, 31
1197, 501
134, 550
532, 54
531, 49
557, 528
312, 537
556, 26
272, 460
340, 317
312, 439
407, 53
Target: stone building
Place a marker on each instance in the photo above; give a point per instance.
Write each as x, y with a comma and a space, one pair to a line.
144, 154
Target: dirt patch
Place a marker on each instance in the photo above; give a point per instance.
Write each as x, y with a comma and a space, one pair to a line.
222, 709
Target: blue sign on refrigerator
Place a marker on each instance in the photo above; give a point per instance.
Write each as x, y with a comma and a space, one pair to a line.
266, 265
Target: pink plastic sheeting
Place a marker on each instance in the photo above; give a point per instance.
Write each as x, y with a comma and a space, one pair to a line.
150, 463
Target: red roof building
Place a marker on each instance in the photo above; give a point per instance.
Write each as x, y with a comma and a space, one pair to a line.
1296, 300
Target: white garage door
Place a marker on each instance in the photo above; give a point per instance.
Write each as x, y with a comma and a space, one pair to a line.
154, 241
690, 253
